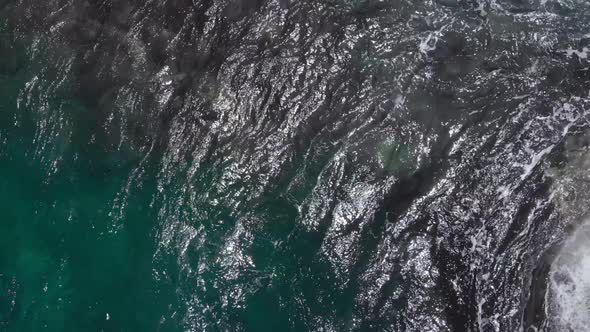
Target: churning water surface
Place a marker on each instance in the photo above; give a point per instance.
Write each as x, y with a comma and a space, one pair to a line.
284, 165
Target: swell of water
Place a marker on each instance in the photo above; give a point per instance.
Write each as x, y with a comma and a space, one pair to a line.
289, 165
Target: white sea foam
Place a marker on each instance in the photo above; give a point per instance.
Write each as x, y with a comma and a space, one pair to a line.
583, 54
428, 44
569, 287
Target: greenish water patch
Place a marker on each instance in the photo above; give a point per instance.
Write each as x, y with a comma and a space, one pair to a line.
67, 264
91, 239
396, 157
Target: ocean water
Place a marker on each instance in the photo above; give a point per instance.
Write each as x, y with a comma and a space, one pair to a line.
294, 165
66, 261
80, 240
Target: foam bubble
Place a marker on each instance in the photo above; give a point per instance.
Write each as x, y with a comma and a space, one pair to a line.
569, 291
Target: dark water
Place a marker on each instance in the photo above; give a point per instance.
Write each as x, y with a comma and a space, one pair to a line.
347, 165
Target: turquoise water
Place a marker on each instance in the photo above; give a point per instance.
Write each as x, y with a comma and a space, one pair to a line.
67, 259
84, 237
